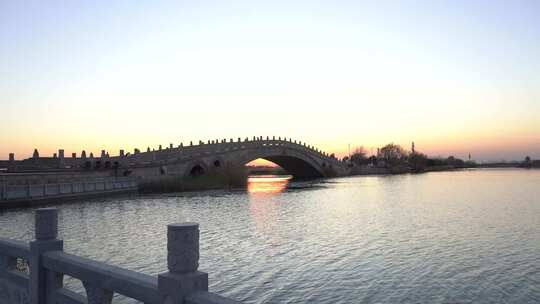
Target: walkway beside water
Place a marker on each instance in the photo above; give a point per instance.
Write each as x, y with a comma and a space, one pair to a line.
14, 196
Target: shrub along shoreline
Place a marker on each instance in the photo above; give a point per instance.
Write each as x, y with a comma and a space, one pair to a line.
228, 176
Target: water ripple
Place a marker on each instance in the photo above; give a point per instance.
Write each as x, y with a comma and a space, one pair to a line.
446, 237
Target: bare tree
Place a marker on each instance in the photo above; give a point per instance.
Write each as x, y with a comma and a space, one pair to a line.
392, 154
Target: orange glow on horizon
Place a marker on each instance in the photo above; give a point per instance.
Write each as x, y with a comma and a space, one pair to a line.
261, 162
324, 73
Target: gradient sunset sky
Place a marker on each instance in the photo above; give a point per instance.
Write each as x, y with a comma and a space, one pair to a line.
455, 77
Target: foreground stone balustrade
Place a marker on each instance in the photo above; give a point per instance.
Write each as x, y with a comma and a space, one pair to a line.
42, 282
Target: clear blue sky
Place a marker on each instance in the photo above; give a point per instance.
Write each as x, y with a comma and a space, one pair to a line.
454, 76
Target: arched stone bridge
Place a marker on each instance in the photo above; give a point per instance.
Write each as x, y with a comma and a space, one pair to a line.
299, 159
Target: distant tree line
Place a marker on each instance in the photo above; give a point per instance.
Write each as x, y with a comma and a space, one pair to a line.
529, 163
394, 156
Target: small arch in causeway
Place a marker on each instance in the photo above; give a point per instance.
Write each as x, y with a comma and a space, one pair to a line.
196, 171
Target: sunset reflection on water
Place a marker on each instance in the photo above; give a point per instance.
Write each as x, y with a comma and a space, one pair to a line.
268, 184
265, 193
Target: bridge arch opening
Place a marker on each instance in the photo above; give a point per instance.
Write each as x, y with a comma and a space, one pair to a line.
298, 167
197, 171
262, 166
240, 165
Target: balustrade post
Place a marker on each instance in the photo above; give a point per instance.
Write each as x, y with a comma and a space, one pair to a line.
182, 278
96, 294
46, 231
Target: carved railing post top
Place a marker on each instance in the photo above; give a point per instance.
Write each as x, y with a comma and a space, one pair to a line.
183, 226
46, 223
183, 247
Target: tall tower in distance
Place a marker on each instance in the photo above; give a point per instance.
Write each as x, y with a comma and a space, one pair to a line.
412, 148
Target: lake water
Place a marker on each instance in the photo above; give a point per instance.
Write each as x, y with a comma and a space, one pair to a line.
447, 237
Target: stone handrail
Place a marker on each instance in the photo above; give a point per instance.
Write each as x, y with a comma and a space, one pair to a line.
243, 145
13, 282
100, 276
13, 248
41, 282
33, 191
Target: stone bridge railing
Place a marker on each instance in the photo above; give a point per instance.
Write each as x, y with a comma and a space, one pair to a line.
91, 185
33, 272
